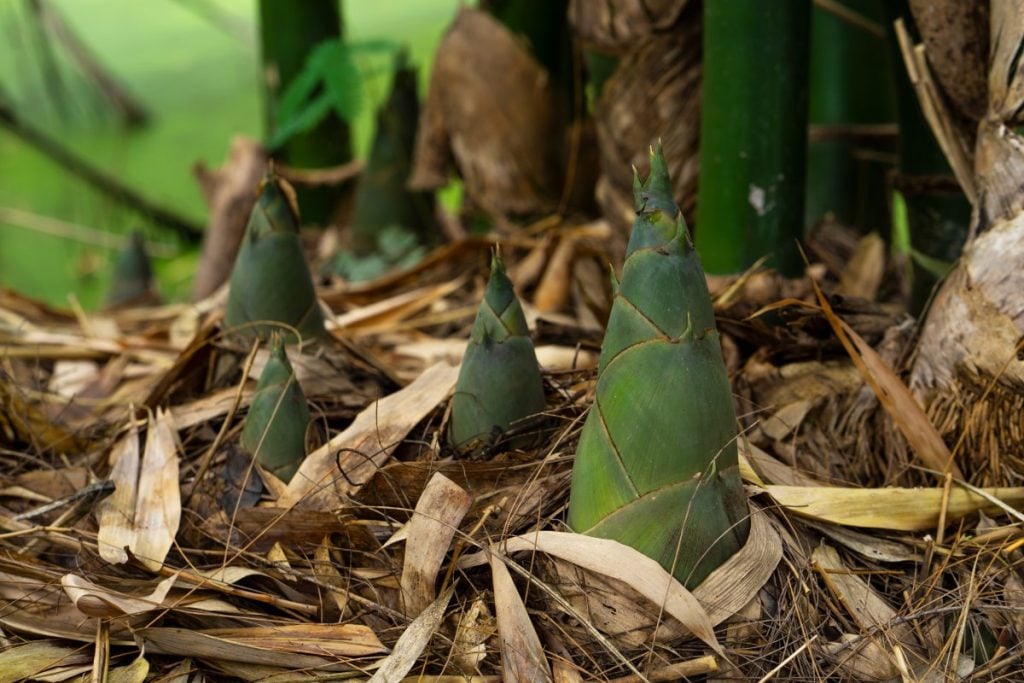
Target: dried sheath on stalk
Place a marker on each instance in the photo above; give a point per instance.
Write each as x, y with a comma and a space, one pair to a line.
499, 382
656, 466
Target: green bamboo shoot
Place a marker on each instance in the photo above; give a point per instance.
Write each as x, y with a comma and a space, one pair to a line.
275, 428
656, 466
499, 382
271, 280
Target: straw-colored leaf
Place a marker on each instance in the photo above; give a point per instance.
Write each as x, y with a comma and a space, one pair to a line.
413, 641
722, 594
144, 512
300, 646
621, 562
31, 660
900, 509
476, 626
367, 443
436, 519
116, 512
867, 608
97, 601
522, 655
135, 672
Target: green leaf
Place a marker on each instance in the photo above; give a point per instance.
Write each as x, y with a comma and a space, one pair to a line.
331, 79
343, 82
304, 85
936, 267
305, 119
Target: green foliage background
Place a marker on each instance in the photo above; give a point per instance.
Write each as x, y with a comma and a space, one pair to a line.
201, 85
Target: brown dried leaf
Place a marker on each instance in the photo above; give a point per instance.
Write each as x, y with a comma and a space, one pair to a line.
893, 394
230, 193
279, 646
476, 626
623, 563
522, 655
510, 157
900, 509
413, 641
863, 274
367, 443
553, 291
97, 601
143, 513
870, 612
429, 534
34, 660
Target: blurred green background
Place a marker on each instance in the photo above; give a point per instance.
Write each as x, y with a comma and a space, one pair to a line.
195, 65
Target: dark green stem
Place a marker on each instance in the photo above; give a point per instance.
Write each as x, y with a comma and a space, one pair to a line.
753, 139
289, 31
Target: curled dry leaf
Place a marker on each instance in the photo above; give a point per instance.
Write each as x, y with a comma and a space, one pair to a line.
722, 594
228, 191
143, 513
476, 626
436, 519
97, 601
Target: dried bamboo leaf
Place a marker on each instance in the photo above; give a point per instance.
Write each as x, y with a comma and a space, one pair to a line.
522, 655
899, 509
893, 394
136, 672
869, 611
476, 626
31, 661
413, 640
143, 513
97, 601
116, 512
510, 157
329, 640
621, 562
367, 443
434, 522
722, 594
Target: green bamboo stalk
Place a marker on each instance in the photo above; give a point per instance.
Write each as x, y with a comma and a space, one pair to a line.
656, 466
289, 32
499, 382
270, 281
275, 428
852, 85
753, 134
